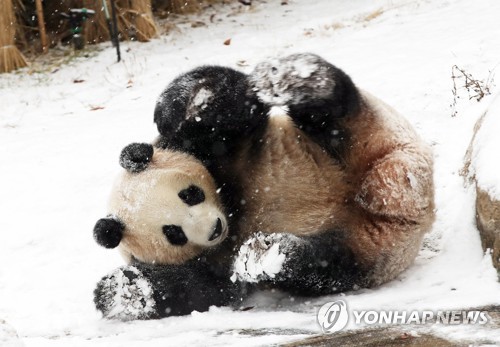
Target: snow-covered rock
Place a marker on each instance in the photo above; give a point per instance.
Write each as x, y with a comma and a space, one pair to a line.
488, 223
483, 168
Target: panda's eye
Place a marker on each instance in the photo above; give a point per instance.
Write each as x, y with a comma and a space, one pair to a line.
192, 195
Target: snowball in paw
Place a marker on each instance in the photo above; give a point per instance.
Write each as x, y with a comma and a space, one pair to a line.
262, 257
127, 295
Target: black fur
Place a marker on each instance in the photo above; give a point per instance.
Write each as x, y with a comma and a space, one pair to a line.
108, 232
136, 157
318, 265
175, 235
177, 289
207, 112
192, 195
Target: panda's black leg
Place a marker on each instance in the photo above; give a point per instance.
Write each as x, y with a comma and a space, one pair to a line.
207, 111
310, 265
317, 94
142, 291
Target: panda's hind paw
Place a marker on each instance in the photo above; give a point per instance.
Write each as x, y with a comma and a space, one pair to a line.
291, 80
125, 295
263, 257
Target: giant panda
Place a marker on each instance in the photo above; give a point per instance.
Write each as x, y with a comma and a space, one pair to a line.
333, 194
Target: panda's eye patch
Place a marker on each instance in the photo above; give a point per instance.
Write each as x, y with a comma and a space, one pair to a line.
192, 195
175, 235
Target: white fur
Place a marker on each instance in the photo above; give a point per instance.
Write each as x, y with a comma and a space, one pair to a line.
148, 200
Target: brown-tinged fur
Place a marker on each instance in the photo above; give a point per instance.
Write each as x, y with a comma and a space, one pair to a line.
294, 187
380, 197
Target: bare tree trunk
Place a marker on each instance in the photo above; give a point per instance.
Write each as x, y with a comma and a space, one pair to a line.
41, 26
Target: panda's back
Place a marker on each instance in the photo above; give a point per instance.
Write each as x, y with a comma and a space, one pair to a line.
291, 184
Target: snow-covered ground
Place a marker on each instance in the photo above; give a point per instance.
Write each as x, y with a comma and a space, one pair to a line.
59, 157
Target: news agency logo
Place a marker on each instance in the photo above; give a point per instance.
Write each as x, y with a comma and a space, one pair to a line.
333, 316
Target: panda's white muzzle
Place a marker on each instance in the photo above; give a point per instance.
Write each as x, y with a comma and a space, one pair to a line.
206, 233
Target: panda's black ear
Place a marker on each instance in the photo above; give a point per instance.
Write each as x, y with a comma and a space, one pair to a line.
108, 232
136, 157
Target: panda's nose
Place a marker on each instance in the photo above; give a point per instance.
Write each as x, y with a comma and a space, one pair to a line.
175, 235
217, 230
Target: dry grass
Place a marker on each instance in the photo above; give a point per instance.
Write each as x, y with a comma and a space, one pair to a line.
166, 7
334, 26
371, 16
19, 9
139, 16
134, 18
10, 56
96, 28
184, 6
361, 19
476, 89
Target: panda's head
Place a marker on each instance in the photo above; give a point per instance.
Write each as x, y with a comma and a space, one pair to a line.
163, 209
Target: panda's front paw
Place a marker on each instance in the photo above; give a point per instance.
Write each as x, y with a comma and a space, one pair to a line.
263, 257
207, 110
125, 295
